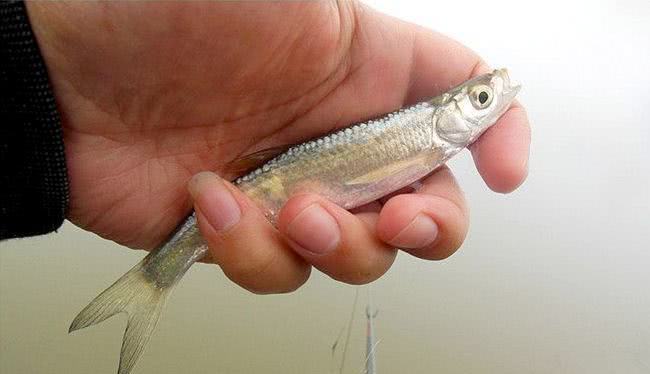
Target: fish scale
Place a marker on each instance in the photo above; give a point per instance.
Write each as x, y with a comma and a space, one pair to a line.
345, 155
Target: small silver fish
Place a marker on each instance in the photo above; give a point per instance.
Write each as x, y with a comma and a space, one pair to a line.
350, 167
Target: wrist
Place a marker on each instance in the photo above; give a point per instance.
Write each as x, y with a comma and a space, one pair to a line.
47, 21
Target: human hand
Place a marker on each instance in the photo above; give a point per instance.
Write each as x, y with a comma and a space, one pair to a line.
152, 93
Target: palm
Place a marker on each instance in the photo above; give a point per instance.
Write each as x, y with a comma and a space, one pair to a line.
155, 103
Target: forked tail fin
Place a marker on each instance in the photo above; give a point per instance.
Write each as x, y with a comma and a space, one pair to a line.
137, 296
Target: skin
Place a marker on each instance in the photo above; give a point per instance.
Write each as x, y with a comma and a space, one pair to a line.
151, 94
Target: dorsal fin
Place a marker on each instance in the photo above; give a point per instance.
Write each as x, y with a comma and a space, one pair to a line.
246, 163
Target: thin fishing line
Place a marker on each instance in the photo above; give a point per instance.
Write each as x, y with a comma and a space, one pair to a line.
350, 322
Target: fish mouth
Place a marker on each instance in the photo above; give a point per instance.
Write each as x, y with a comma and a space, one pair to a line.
510, 87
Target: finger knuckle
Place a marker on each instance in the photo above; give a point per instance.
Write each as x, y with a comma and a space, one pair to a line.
265, 285
292, 284
247, 271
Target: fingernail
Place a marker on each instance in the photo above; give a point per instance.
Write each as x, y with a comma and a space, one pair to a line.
315, 230
421, 232
214, 200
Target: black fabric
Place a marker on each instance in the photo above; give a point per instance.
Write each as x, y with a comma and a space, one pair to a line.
33, 177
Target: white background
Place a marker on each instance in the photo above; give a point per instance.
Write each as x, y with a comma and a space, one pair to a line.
554, 278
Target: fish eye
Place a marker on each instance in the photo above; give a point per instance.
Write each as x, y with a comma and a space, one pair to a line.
481, 96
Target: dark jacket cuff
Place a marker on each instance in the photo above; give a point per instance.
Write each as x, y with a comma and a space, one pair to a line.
33, 176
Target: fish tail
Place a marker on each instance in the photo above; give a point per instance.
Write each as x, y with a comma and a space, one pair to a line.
137, 296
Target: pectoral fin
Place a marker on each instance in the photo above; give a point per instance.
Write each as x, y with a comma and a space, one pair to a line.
377, 175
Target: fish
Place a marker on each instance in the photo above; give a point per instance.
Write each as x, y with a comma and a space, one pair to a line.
351, 167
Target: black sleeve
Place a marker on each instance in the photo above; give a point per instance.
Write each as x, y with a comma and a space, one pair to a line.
33, 177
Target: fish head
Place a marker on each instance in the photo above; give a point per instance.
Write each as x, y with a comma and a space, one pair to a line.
466, 111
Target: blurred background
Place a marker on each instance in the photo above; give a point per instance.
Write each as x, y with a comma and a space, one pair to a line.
553, 278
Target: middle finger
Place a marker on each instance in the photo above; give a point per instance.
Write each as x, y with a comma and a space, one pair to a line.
341, 244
